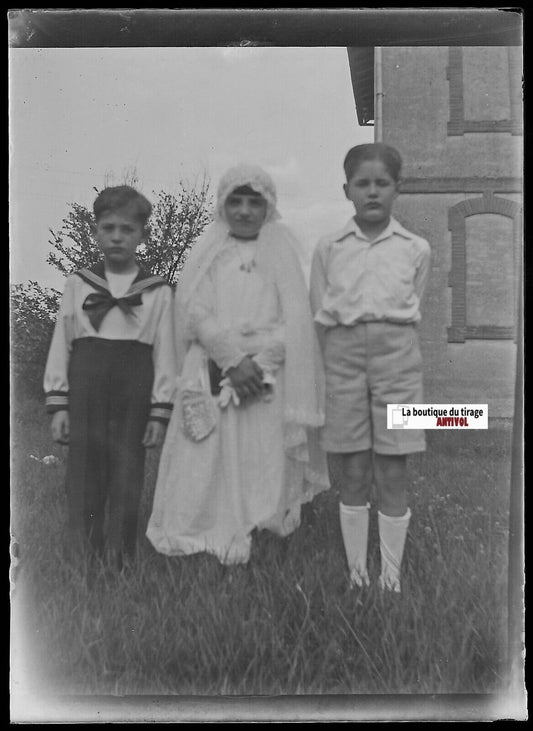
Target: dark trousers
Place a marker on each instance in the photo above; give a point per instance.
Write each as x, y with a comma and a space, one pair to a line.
110, 384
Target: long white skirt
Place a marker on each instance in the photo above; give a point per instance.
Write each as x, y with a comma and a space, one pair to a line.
211, 494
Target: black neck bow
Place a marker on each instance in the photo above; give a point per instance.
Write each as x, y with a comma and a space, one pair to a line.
98, 304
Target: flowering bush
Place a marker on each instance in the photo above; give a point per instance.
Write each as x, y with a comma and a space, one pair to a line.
175, 224
33, 313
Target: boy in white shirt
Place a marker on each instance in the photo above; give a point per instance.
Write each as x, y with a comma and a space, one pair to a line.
366, 284
110, 375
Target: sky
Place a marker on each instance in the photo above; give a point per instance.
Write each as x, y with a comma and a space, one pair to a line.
81, 118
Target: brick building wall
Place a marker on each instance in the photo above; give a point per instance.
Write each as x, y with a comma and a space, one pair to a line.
455, 116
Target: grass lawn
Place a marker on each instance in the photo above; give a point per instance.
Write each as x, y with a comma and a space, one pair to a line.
285, 624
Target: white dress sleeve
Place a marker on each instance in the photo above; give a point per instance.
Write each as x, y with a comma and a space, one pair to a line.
220, 343
272, 354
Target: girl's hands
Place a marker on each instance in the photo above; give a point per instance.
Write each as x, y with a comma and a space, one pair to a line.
154, 434
60, 427
246, 378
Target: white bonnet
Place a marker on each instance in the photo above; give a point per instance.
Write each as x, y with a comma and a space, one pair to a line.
256, 178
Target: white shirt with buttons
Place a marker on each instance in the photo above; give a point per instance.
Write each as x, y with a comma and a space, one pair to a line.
356, 280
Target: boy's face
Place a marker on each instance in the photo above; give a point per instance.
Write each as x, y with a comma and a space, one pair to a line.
245, 214
118, 234
372, 190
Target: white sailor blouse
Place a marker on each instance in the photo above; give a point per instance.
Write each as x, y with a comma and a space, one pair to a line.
89, 309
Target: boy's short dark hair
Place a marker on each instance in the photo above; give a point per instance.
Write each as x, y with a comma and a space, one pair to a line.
388, 155
122, 196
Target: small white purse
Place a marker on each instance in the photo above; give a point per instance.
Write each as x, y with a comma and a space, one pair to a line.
198, 413
198, 408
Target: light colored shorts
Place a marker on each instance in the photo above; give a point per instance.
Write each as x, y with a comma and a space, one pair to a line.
368, 366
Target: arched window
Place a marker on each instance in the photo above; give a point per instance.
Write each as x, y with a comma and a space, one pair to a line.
483, 277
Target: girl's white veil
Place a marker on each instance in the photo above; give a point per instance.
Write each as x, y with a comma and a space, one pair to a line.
277, 257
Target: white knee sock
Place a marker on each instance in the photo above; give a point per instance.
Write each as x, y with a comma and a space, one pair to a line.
392, 534
354, 527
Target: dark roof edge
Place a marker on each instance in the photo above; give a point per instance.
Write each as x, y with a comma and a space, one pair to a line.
361, 61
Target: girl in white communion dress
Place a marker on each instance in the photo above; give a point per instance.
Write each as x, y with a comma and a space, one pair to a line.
241, 450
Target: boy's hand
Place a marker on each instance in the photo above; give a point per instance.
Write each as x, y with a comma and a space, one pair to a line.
154, 434
246, 378
60, 427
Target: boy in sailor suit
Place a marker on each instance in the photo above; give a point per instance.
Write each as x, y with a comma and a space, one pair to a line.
110, 375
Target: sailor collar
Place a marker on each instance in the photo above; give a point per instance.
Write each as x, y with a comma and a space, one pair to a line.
95, 276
